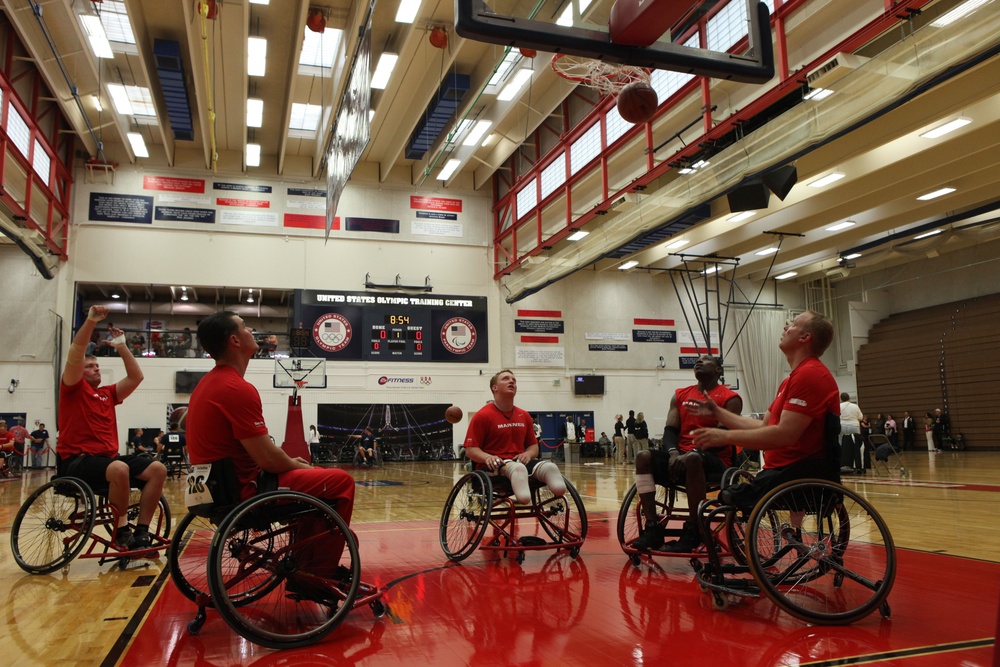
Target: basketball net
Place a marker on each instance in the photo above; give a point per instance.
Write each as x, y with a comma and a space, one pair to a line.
606, 77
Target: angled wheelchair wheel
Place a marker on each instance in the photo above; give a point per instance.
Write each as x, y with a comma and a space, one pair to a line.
466, 515
564, 519
832, 561
737, 520
631, 521
188, 557
53, 525
264, 564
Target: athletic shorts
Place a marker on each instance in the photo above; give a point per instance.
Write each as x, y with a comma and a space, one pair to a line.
713, 465
93, 469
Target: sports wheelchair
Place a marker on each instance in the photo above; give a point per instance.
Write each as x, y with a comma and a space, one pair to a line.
62, 516
632, 521
818, 550
374, 461
480, 500
246, 560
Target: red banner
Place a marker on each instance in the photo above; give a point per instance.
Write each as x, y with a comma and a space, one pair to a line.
653, 323
302, 221
539, 313
169, 184
436, 204
539, 339
694, 350
245, 203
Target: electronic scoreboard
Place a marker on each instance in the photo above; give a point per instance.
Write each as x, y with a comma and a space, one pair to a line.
393, 327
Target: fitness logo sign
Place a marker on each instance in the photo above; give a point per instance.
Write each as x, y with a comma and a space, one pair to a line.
332, 332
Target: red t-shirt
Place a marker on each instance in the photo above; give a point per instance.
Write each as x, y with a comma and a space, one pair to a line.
7, 441
20, 434
691, 421
495, 433
811, 390
223, 410
87, 421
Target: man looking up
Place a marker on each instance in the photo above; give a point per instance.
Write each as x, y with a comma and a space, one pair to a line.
88, 432
680, 462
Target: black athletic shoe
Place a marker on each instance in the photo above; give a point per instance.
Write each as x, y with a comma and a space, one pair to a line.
688, 541
651, 538
123, 538
141, 540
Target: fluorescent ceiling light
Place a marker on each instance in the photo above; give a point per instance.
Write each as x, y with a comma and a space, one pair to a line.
853, 255
132, 100
380, 79
577, 235
255, 112
701, 164
686, 170
784, 276
260, 2
98, 39
253, 155
407, 11
958, 12
709, 271
950, 126
937, 193
840, 225
449, 168
521, 77
926, 234
463, 127
477, 132
184, 297
116, 295
97, 103
505, 67
818, 94
766, 251
679, 243
304, 117
138, 144
826, 180
628, 265
740, 217
256, 56
371, 114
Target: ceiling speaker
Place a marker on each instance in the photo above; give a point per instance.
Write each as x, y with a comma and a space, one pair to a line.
780, 181
751, 195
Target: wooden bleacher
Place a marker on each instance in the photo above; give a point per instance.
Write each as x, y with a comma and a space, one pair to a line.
945, 356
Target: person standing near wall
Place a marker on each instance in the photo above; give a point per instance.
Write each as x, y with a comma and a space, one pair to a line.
619, 440
850, 436
39, 443
21, 435
641, 434
630, 438
909, 428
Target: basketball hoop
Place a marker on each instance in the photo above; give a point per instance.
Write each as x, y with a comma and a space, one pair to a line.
606, 77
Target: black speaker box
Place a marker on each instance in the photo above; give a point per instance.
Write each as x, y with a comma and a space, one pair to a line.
781, 180
751, 195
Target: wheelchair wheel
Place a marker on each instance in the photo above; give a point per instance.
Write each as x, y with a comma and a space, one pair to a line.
736, 521
631, 521
466, 515
832, 561
52, 525
260, 570
188, 557
563, 519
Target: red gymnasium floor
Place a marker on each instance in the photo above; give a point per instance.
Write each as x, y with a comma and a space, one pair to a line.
595, 610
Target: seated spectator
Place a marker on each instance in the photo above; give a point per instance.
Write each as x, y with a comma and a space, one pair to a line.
605, 444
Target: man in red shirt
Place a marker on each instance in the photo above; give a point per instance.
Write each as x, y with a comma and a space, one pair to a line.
792, 434
88, 432
6, 449
501, 439
679, 461
225, 420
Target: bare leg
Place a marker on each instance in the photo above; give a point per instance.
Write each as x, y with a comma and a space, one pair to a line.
154, 475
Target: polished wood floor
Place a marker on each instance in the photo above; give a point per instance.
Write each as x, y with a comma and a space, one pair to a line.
942, 515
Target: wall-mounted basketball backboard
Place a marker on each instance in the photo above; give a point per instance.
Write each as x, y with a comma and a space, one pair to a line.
299, 372
475, 20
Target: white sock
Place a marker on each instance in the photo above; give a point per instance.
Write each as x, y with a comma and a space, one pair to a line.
548, 474
645, 484
518, 476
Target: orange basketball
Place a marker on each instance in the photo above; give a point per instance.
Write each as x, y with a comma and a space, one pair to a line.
453, 414
637, 102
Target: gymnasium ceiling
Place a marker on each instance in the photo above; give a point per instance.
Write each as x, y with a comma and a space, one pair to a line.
888, 165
